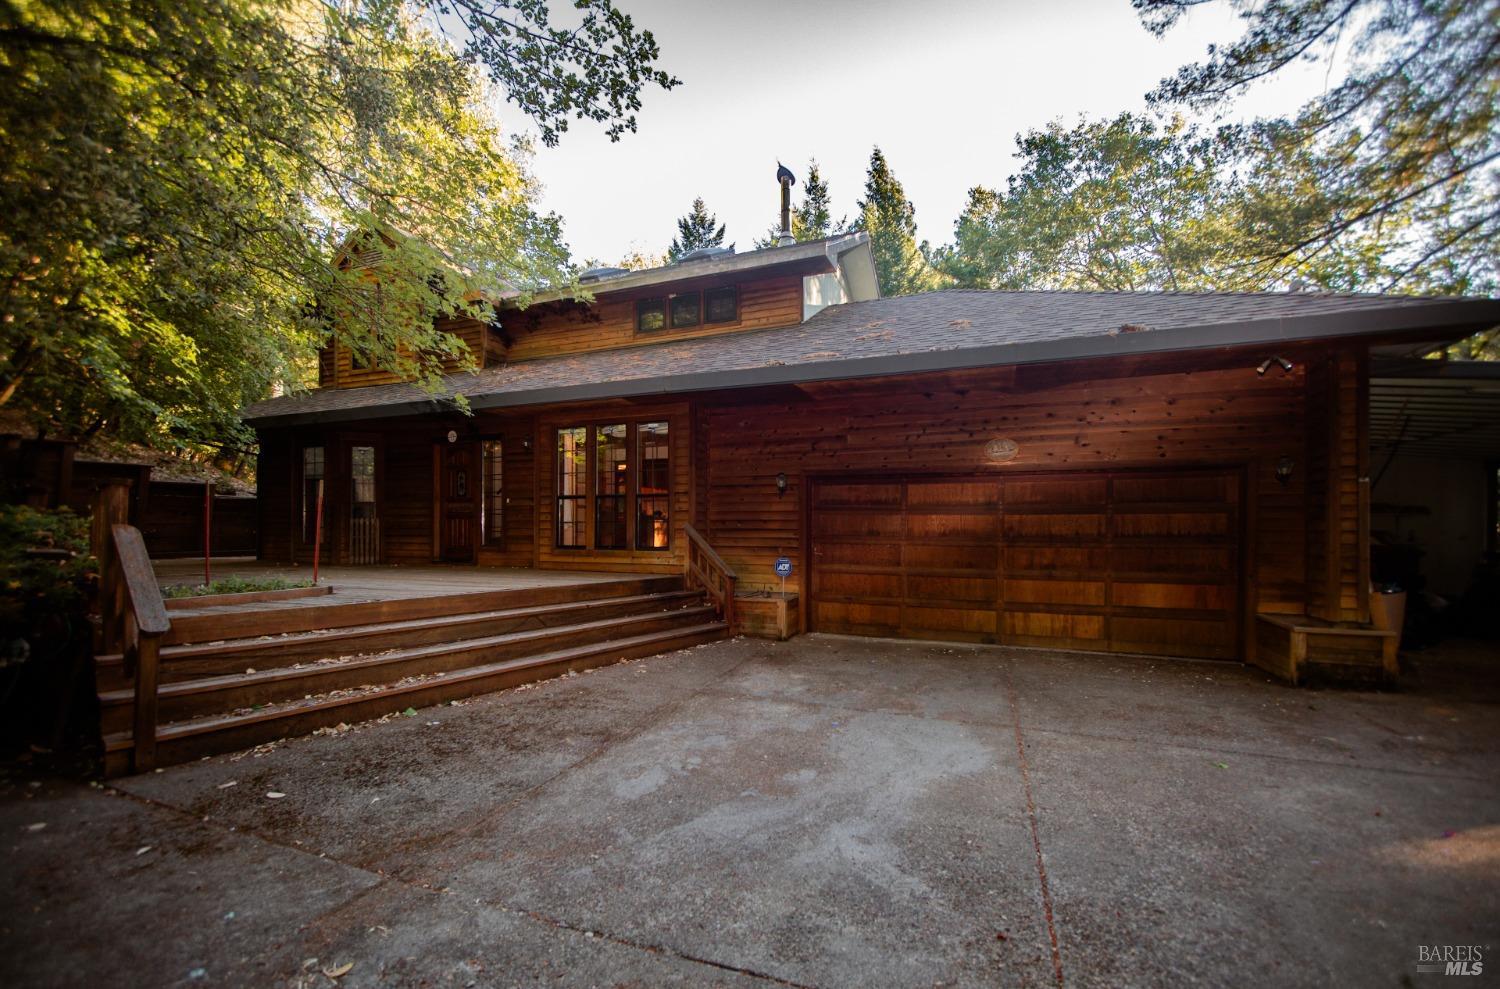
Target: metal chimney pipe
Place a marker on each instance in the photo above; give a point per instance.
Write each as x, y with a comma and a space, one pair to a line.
787, 179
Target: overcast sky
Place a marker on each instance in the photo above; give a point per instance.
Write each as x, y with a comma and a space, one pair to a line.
942, 86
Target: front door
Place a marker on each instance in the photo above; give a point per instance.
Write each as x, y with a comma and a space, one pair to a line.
457, 502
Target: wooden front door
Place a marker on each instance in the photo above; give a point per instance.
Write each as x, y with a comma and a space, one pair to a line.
1119, 562
457, 502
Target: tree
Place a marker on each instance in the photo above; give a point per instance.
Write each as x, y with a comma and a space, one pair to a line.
699, 228
1117, 204
891, 221
1406, 145
812, 218
177, 180
1128, 205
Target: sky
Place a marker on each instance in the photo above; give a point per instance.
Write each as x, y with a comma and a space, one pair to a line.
942, 86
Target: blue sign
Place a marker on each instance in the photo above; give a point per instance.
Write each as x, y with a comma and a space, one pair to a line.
783, 566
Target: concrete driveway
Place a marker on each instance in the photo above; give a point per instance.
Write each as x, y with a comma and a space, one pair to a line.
823, 812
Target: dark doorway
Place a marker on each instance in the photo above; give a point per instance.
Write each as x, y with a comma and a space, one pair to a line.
457, 502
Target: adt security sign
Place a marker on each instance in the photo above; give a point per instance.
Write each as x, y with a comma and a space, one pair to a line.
783, 570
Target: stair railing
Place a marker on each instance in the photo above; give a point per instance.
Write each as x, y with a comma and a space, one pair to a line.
706, 569
132, 615
145, 622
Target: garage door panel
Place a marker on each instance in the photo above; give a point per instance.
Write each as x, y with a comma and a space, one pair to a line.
1056, 490
960, 494
869, 554
1123, 561
1144, 524
1040, 628
971, 624
951, 528
1192, 558
971, 590
1053, 526
1176, 596
857, 584
1056, 559
857, 525
856, 618
858, 495
955, 559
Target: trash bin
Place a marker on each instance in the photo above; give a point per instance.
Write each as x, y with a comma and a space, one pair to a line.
1388, 608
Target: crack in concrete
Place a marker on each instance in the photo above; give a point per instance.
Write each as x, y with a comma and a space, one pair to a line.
1036, 836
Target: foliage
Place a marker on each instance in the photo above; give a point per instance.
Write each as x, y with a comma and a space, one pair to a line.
640, 259
37, 588
1403, 151
891, 221
1118, 205
180, 177
699, 228
233, 585
812, 218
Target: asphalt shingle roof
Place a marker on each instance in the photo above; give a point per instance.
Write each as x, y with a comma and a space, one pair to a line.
932, 331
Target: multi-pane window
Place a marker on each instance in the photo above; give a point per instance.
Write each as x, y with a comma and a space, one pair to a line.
722, 305
610, 468
362, 474
312, 478
492, 519
651, 314
572, 485
688, 309
611, 471
653, 487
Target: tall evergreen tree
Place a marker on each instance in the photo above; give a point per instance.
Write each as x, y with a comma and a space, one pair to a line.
699, 228
891, 221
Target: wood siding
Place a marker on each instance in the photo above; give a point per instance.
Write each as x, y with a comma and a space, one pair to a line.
1157, 413
550, 329
336, 367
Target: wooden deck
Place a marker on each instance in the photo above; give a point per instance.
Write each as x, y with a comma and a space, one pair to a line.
353, 585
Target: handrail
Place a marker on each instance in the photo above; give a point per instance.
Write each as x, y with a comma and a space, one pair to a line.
142, 621
706, 569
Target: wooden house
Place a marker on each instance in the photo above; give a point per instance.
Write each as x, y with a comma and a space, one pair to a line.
1164, 473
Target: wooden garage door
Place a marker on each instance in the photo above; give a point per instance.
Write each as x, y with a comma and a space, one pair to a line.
1124, 562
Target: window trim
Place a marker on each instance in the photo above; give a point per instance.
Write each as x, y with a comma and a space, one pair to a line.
734, 291
580, 520
640, 310
588, 537
304, 534
491, 535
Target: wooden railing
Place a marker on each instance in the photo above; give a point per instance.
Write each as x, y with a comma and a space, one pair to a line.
707, 569
132, 615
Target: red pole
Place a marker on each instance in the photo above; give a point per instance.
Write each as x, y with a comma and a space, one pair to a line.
208, 514
318, 531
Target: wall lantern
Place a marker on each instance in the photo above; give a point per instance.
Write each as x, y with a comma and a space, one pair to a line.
452, 436
780, 484
1284, 469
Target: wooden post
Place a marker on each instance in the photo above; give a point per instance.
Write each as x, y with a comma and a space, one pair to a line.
208, 529
318, 531
111, 508
147, 666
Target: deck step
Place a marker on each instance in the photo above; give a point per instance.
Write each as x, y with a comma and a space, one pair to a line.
190, 698
251, 621
185, 740
231, 656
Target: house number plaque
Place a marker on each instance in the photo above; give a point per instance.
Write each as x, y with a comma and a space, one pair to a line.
999, 451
